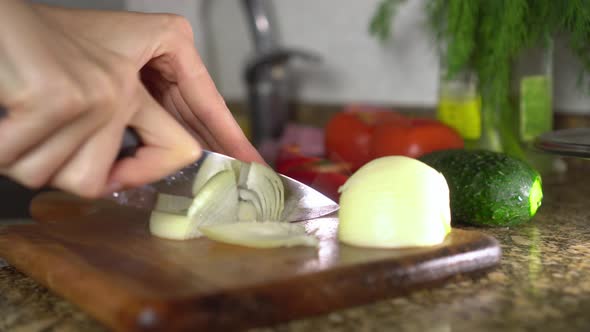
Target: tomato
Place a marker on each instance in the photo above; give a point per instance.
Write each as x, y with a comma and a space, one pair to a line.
324, 176
290, 156
326, 183
348, 134
413, 138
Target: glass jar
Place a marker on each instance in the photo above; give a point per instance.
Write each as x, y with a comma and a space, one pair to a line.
511, 127
531, 103
461, 107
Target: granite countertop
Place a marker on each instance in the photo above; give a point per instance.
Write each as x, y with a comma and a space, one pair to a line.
543, 283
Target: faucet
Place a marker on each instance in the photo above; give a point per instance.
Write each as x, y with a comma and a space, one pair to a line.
269, 79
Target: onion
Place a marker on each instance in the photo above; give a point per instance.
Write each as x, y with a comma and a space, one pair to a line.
247, 211
215, 203
267, 186
261, 234
251, 197
394, 202
244, 212
209, 168
172, 203
172, 226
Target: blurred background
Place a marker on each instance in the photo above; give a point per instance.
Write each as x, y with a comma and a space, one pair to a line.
288, 69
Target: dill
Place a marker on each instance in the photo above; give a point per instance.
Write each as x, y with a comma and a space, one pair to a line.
486, 36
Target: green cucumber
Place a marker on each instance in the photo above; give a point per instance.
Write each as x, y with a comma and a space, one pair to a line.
488, 188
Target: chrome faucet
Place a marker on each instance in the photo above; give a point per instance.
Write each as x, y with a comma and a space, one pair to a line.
271, 85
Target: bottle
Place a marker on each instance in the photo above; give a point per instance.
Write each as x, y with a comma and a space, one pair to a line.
532, 104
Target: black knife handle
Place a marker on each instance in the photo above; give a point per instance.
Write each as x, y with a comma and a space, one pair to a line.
129, 144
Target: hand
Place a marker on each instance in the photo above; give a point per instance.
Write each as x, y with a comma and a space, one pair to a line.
69, 100
161, 47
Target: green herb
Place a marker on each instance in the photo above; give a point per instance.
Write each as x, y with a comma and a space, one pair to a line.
487, 35
381, 23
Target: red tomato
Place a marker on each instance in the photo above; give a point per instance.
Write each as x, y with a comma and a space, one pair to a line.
348, 134
290, 156
413, 138
324, 176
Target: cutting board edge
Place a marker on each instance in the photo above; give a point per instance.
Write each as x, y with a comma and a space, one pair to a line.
149, 314
21, 257
297, 285
190, 313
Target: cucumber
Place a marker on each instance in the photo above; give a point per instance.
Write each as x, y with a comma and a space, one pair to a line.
488, 188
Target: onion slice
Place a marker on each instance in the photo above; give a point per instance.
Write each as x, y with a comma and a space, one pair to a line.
268, 187
244, 212
249, 196
247, 211
217, 201
209, 168
172, 226
278, 190
261, 234
172, 203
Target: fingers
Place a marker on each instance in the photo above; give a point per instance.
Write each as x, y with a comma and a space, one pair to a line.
36, 167
187, 116
29, 123
92, 171
167, 147
161, 90
213, 120
86, 171
178, 61
211, 117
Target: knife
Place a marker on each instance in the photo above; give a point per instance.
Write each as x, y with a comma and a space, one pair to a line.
301, 201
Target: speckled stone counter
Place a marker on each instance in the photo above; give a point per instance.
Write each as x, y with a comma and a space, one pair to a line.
543, 283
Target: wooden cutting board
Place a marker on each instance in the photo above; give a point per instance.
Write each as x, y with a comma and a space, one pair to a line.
101, 257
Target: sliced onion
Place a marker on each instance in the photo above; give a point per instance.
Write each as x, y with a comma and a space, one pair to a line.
172, 226
217, 201
172, 203
221, 200
267, 185
209, 168
261, 234
251, 197
253, 182
277, 188
247, 211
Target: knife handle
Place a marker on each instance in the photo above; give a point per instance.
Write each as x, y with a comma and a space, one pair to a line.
129, 144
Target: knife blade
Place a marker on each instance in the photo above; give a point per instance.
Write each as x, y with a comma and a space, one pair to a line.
301, 201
